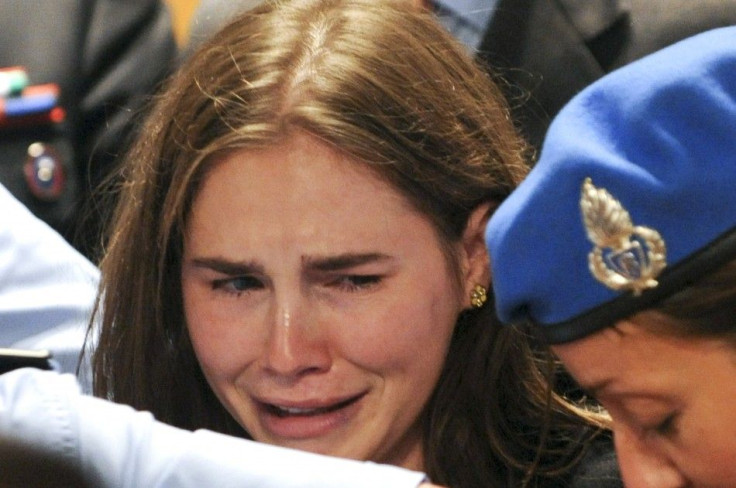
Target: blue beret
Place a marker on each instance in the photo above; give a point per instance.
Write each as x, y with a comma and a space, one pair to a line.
633, 196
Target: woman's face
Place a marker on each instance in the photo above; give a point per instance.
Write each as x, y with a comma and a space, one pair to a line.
672, 400
319, 303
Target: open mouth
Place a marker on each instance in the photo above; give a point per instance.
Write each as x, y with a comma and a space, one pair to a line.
283, 412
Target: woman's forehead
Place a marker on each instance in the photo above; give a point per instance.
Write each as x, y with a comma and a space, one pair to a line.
298, 188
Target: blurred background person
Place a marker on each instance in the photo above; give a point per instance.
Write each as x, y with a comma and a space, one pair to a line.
75, 75
546, 51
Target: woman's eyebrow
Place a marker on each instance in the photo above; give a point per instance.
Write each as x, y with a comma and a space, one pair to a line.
341, 261
228, 267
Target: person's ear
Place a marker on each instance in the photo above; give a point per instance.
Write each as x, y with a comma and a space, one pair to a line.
475, 263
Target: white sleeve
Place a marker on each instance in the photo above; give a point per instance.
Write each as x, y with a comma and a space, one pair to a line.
116, 446
47, 288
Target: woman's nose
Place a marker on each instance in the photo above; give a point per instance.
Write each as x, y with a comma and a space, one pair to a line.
644, 466
297, 344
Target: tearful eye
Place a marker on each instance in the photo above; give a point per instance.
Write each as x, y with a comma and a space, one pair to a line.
237, 285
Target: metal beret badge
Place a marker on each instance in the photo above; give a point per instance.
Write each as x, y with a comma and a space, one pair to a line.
625, 257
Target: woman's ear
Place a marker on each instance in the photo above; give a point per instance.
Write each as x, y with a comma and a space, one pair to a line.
475, 263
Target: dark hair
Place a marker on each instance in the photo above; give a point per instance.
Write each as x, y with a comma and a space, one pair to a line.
387, 86
704, 308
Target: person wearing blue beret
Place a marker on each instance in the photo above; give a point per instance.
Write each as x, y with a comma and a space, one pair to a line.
619, 250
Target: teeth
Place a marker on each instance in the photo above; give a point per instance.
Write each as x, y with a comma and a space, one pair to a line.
285, 411
298, 411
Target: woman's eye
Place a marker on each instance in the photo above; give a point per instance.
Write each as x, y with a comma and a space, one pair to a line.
356, 282
237, 285
664, 428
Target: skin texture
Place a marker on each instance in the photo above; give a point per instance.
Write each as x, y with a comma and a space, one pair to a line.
311, 285
671, 399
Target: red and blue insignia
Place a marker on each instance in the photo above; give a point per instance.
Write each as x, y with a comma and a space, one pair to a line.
44, 172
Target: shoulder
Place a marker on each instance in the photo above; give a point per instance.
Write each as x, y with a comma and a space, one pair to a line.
656, 24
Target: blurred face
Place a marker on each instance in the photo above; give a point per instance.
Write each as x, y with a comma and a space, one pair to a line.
671, 398
319, 303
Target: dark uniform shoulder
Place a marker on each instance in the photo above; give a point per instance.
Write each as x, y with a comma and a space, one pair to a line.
598, 468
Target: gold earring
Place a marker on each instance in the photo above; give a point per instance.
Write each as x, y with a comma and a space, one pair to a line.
478, 296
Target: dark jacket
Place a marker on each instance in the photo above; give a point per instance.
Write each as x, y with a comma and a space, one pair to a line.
107, 56
598, 469
551, 49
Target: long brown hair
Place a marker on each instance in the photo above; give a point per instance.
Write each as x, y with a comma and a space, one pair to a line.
387, 86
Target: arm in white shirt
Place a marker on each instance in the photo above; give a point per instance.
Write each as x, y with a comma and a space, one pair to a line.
47, 288
116, 446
